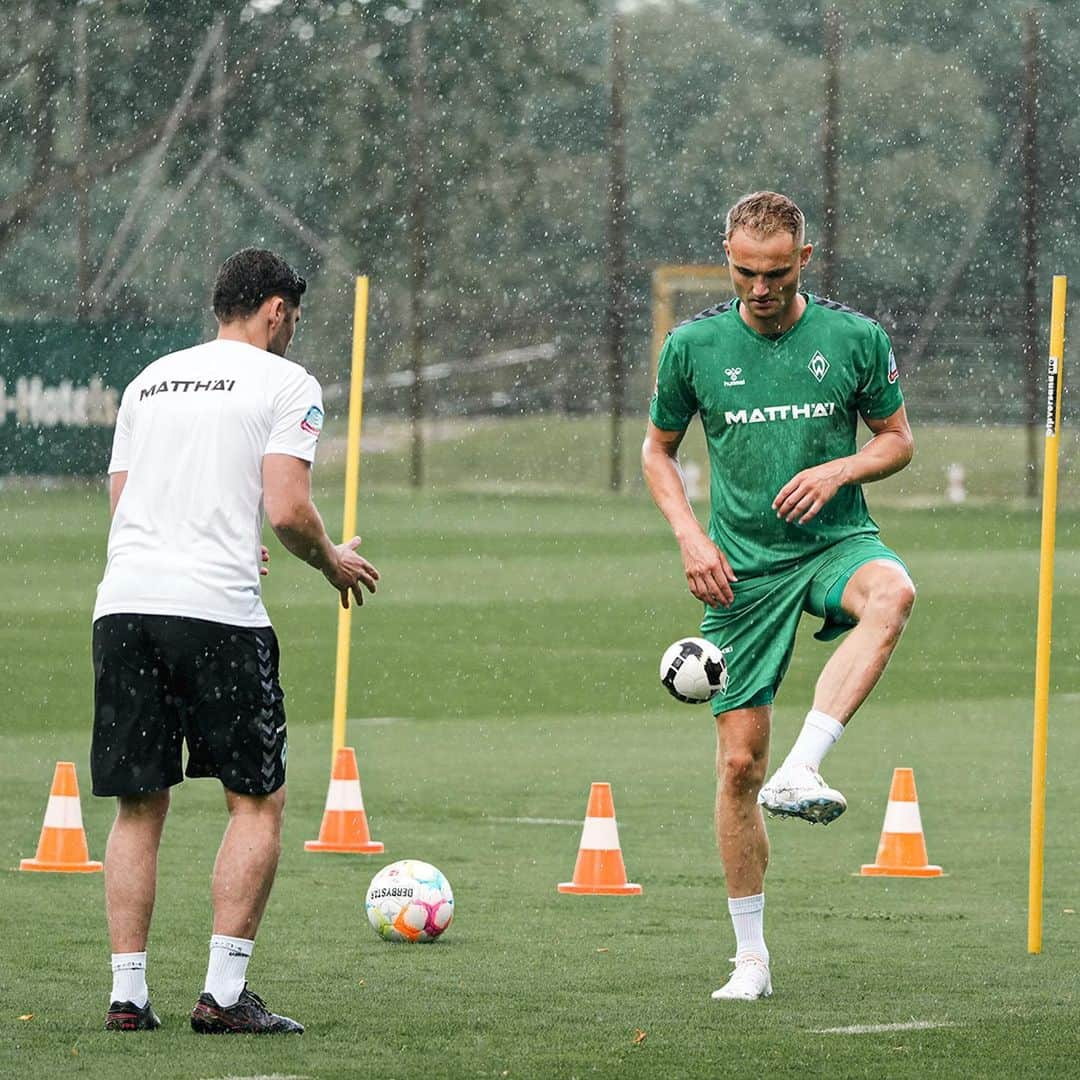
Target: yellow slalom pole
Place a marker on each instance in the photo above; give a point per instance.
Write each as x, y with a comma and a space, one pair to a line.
352, 488
1046, 599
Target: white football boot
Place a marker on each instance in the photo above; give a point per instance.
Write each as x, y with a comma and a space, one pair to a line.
749, 981
798, 791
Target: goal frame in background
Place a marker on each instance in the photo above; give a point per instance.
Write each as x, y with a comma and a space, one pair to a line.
669, 282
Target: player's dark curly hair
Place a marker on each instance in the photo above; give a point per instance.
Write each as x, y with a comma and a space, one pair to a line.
247, 278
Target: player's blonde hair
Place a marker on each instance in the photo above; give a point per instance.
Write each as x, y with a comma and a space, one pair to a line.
765, 213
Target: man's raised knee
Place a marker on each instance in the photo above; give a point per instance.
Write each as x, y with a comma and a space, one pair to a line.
890, 595
894, 594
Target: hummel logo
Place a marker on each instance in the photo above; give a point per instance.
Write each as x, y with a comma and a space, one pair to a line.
818, 366
734, 377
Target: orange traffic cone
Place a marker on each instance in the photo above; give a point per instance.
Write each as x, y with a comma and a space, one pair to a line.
599, 868
62, 847
344, 824
902, 850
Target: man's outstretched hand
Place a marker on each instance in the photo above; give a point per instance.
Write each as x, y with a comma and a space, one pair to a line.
352, 573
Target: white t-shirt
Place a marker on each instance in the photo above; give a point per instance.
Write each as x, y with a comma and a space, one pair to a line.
191, 434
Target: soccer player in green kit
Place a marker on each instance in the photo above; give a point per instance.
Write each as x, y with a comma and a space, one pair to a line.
780, 379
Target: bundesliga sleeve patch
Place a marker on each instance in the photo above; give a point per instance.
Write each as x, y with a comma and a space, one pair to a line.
894, 371
313, 421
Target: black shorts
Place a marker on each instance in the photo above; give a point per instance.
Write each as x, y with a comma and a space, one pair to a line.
160, 680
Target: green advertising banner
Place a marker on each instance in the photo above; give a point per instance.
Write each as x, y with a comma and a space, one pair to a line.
60, 388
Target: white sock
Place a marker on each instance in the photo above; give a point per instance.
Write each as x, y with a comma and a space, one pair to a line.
818, 736
227, 972
748, 918
129, 978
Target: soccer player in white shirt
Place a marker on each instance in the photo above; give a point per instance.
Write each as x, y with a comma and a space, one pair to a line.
207, 441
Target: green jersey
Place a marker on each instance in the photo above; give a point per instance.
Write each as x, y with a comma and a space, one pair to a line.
771, 408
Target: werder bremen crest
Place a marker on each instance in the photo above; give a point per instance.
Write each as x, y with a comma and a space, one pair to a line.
818, 366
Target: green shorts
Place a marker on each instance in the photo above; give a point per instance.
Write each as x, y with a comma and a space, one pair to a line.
757, 633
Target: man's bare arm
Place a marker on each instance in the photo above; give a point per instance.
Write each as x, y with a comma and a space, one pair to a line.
298, 525
708, 573
117, 480
891, 448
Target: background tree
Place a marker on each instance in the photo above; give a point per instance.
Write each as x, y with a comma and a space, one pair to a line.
721, 99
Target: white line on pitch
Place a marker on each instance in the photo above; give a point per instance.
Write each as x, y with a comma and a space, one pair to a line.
534, 821
880, 1029
269, 1076
375, 721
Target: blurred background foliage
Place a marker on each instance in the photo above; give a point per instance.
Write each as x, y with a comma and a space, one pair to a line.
721, 98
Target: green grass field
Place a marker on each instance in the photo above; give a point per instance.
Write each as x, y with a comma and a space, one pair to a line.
508, 661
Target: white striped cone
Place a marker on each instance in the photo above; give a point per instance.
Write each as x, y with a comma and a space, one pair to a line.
344, 825
62, 846
902, 850
599, 868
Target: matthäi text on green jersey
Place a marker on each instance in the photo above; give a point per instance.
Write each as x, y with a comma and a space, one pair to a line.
771, 407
